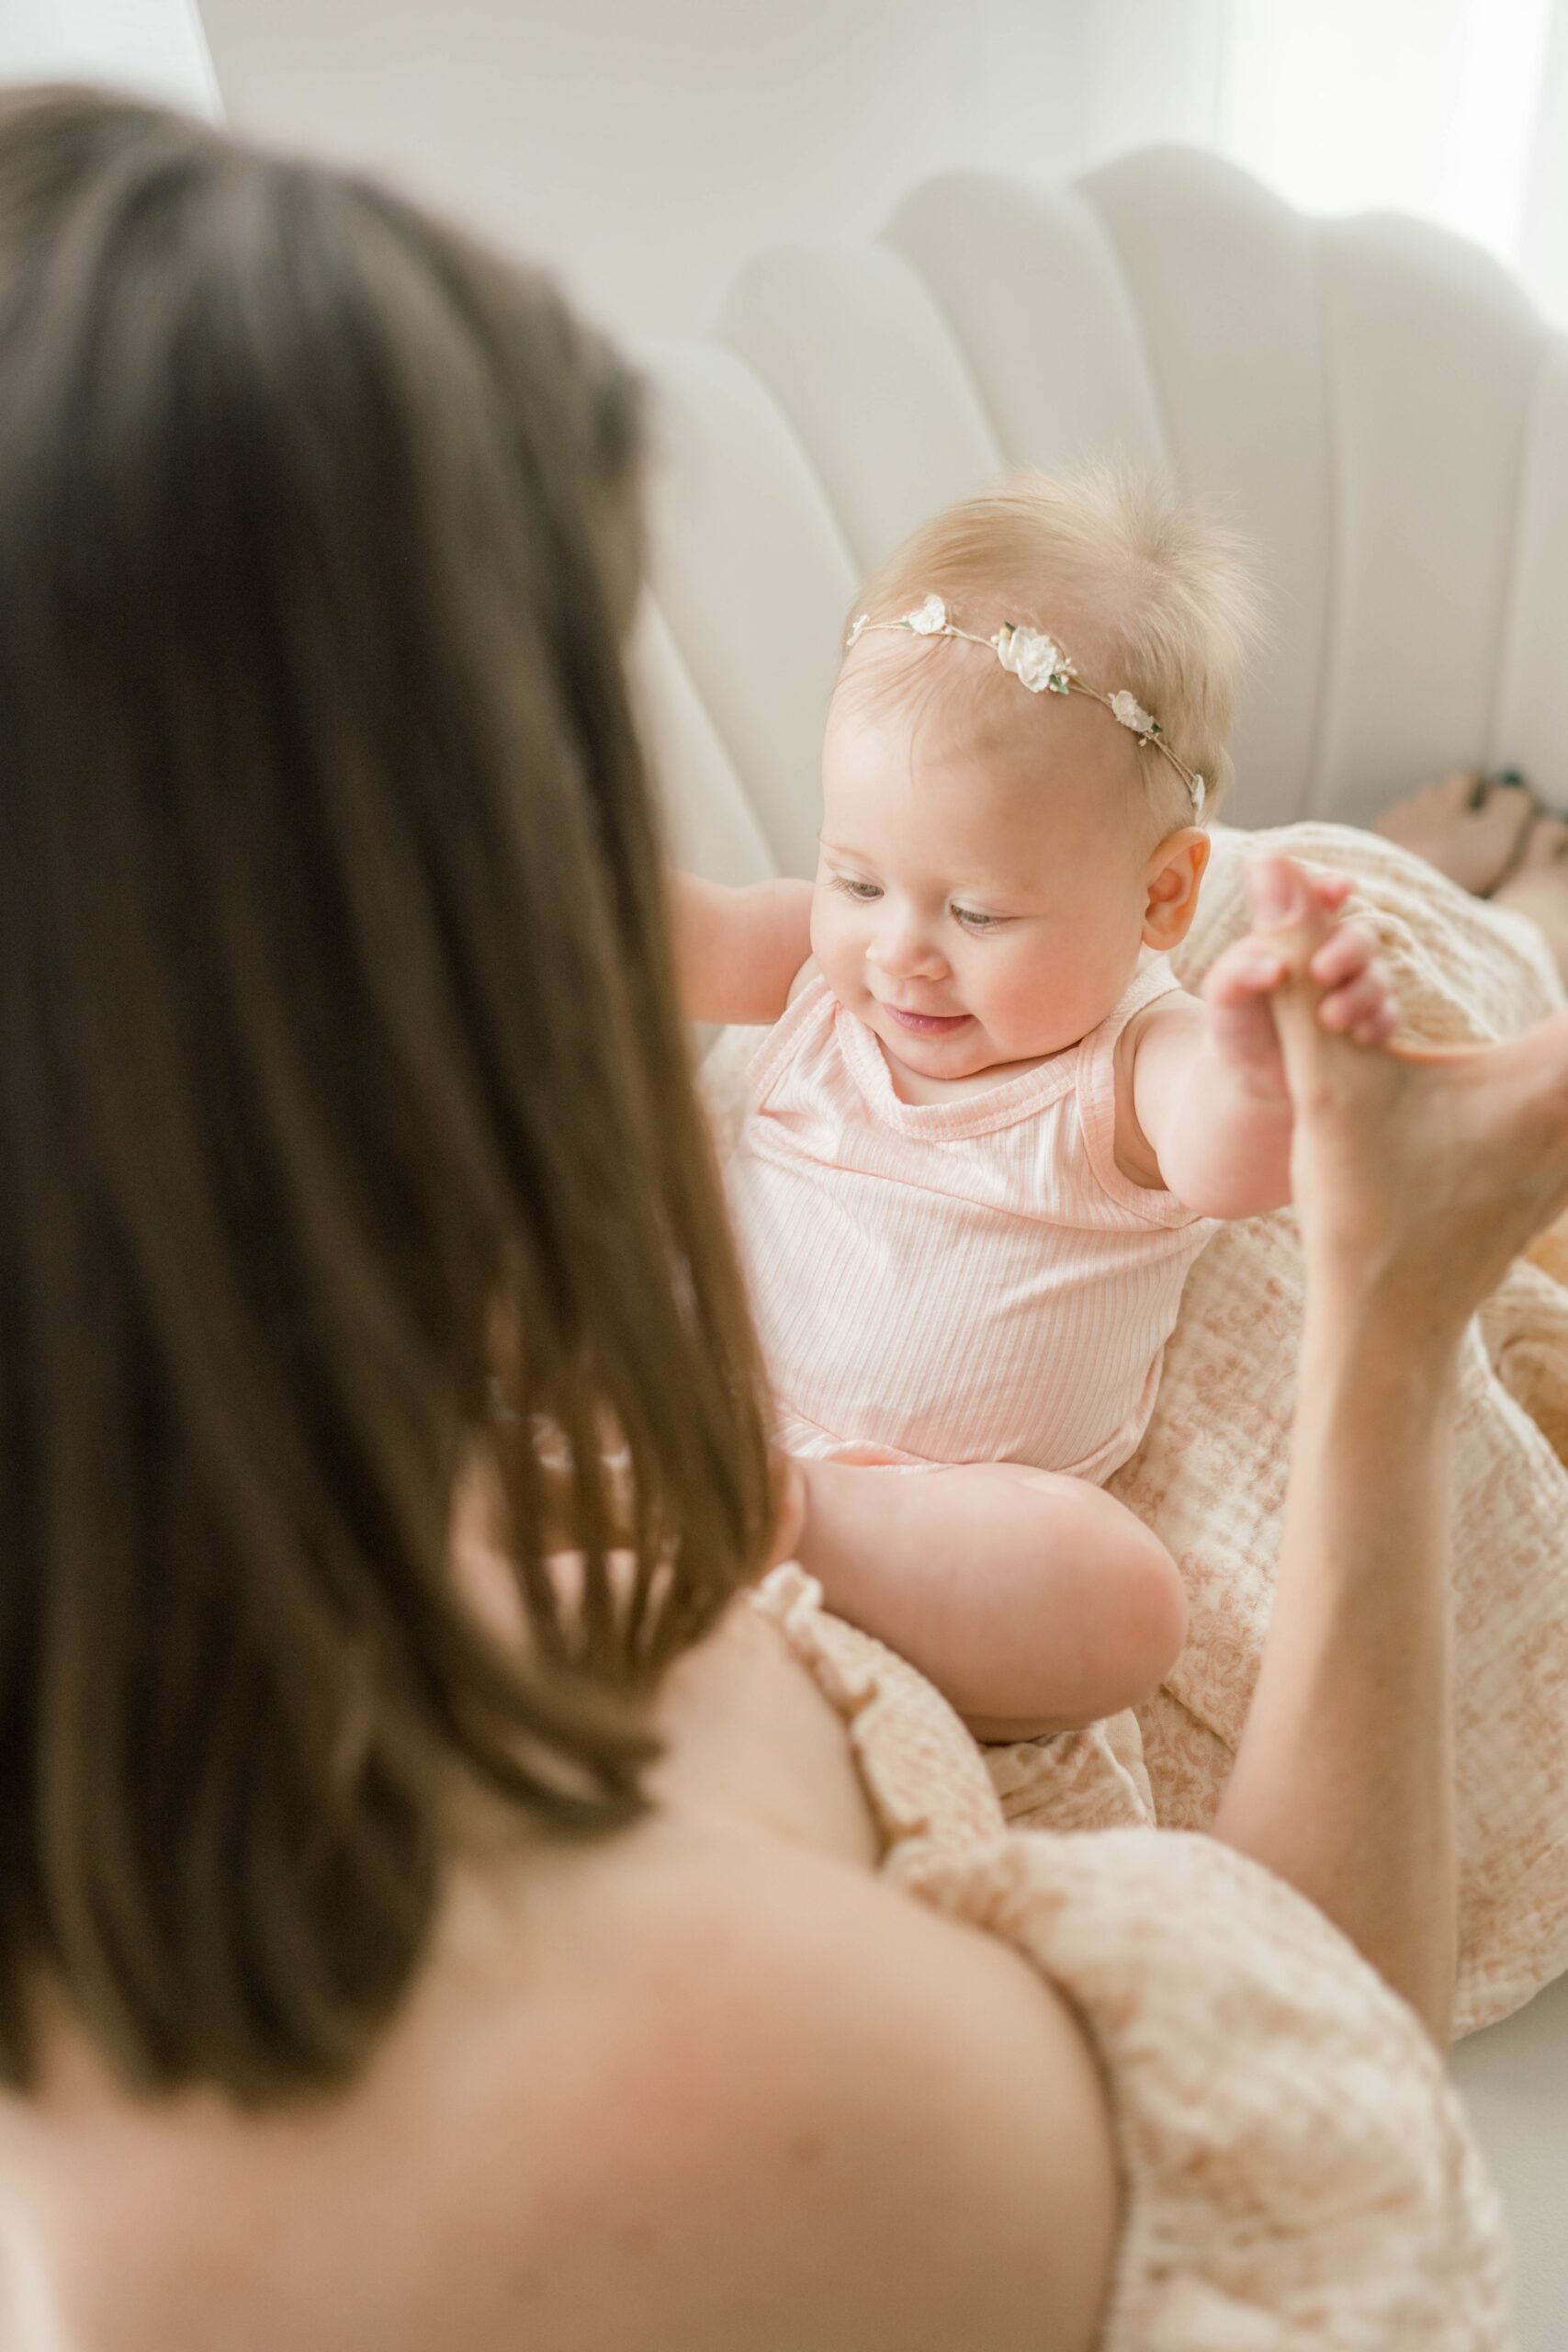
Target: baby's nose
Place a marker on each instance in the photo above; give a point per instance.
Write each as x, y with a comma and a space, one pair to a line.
905, 951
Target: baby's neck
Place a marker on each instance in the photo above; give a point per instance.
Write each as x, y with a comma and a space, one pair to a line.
914, 1086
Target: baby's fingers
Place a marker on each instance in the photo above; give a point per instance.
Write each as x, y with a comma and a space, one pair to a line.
1348, 951
1365, 1008
1246, 970
1332, 890
1286, 898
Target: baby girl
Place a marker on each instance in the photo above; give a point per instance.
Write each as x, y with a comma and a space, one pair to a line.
990, 1131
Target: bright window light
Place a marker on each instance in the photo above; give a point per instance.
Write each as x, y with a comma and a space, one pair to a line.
1415, 105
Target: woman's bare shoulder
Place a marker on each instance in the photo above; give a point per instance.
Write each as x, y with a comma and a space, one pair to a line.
873, 2125
734, 2093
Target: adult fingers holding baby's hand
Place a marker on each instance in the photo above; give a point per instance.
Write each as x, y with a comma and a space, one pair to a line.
1359, 999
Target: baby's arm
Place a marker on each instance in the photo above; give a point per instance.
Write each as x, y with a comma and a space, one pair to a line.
1201, 1102
738, 950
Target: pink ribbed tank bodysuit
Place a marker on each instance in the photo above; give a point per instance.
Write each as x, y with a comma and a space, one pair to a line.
966, 1280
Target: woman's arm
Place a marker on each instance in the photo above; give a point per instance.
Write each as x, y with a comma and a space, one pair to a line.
738, 950
1417, 1179
1343, 1780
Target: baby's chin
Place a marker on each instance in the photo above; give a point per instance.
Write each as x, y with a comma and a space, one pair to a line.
966, 1051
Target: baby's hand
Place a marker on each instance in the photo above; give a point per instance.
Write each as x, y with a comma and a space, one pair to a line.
1359, 1001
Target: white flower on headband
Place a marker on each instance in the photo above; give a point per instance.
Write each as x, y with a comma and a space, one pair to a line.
1200, 792
1033, 660
859, 623
1131, 713
929, 620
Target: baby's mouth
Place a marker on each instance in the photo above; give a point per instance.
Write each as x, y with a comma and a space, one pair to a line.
927, 1024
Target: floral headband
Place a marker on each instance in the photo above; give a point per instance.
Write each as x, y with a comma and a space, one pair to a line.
1039, 664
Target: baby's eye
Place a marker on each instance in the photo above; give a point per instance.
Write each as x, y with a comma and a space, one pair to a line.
853, 889
973, 920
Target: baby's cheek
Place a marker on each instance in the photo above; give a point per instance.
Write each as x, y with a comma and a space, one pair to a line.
1045, 1002
833, 944
822, 926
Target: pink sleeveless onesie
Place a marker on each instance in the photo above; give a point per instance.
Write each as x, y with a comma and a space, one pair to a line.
966, 1280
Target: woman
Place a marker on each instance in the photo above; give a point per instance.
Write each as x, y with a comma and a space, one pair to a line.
406, 1940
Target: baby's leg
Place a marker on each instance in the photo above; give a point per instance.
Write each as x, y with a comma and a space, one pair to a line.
1033, 1601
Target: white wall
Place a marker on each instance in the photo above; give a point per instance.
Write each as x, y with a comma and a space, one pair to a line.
647, 150
151, 47
1419, 105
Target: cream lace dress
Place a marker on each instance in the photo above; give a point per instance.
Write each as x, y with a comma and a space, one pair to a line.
1296, 2171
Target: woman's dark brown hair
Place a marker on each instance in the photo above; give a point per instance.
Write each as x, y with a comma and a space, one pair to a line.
346, 1127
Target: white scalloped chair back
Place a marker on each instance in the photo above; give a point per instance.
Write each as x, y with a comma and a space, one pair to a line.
1374, 402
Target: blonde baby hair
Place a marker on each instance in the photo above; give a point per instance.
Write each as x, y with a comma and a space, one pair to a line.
1149, 595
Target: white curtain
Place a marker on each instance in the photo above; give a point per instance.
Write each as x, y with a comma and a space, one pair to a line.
1454, 109
1542, 251
155, 48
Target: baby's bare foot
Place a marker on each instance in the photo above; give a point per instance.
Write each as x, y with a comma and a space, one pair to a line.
1470, 827
1537, 887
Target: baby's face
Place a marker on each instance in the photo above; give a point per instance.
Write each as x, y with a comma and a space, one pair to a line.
982, 889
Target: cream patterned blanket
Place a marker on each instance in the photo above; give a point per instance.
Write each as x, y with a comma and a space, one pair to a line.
1297, 2174
1209, 1475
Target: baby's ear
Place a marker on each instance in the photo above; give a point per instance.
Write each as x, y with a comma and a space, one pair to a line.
1171, 886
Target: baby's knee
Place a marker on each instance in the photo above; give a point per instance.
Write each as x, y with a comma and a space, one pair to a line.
1147, 1616
1162, 1604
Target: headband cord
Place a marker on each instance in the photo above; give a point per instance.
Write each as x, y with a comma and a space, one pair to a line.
1039, 664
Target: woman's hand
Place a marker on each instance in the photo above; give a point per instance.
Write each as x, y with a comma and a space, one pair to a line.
1418, 1173
1357, 996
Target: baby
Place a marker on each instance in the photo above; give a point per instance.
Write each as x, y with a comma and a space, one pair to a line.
990, 1131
